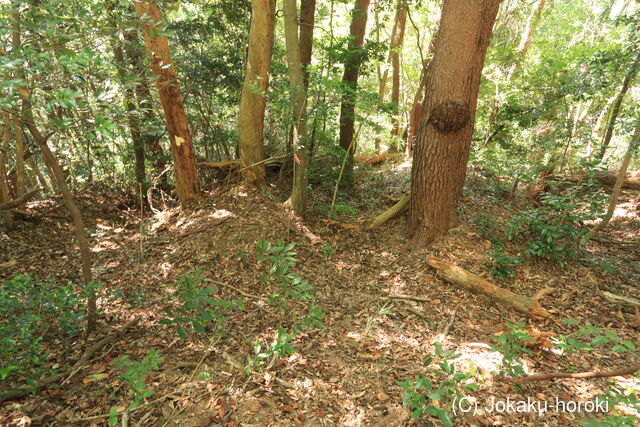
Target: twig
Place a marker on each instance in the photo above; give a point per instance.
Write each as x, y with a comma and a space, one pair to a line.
450, 322
24, 390
592, 374
409, 297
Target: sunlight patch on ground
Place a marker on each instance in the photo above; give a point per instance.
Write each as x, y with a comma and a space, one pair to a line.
221, 213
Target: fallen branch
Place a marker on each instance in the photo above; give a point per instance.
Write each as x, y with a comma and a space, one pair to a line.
593, 374
450, 322
8, 264
477, 285
26, 389
409, 297
19, 201
621, 299
395, 211
244, 294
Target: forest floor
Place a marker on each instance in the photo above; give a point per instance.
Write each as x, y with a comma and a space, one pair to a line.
345, 373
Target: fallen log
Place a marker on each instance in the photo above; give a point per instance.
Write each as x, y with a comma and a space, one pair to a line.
477, 285
622, 299
225, 164
372, 160
17, 202
606, 178
395, 211
630, 370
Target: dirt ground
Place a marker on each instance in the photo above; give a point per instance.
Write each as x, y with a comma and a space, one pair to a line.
345, 373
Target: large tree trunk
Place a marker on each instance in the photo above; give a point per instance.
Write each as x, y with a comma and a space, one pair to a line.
256, 83
352, 64
442, 148
616, 106
633, 146
307, 22
187, 184
297, 201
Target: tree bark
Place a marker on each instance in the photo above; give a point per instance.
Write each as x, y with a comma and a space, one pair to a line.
307, 23
256, 83
527, 36
393, 212
616, 107
187, 184
633, 145
298, 197
607, 178
352, 64
476, 284
442, 149
17, 124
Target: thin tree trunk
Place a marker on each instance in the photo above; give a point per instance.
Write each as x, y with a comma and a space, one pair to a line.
137, 137
442, 148
527, 36
297, 201
396, 47
307, 23
352, 64
615, 194
187, 184
616, 106
78, 222
17, 124
253, 97
7, 217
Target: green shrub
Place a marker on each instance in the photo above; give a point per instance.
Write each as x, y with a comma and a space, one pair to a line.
503, 265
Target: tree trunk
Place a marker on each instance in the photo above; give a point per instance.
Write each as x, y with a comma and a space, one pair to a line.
307, 22
396, 47
187, 184
393, 212
256, 83
6, 216
19, 201
607, 178
129, 97
350, 83
616, 106
17, 124
78, 222
442, 149
633, 145
297, 201
527, 36
477, 285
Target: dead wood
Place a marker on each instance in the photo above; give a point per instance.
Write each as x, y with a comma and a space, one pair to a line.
630, 370
8, 264
372, 160
225, 164
477, 285
606, 178
621, 299
26, 389
395, 211
410, 297
19, 201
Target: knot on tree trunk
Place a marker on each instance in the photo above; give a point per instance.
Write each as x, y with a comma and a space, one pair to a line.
450, 116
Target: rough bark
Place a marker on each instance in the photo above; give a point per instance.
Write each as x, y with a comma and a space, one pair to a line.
187, 184
617, 187
78, 222
307, 23
616, 107
298, 197
256, 82
477, 285
444, 138
352, 64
